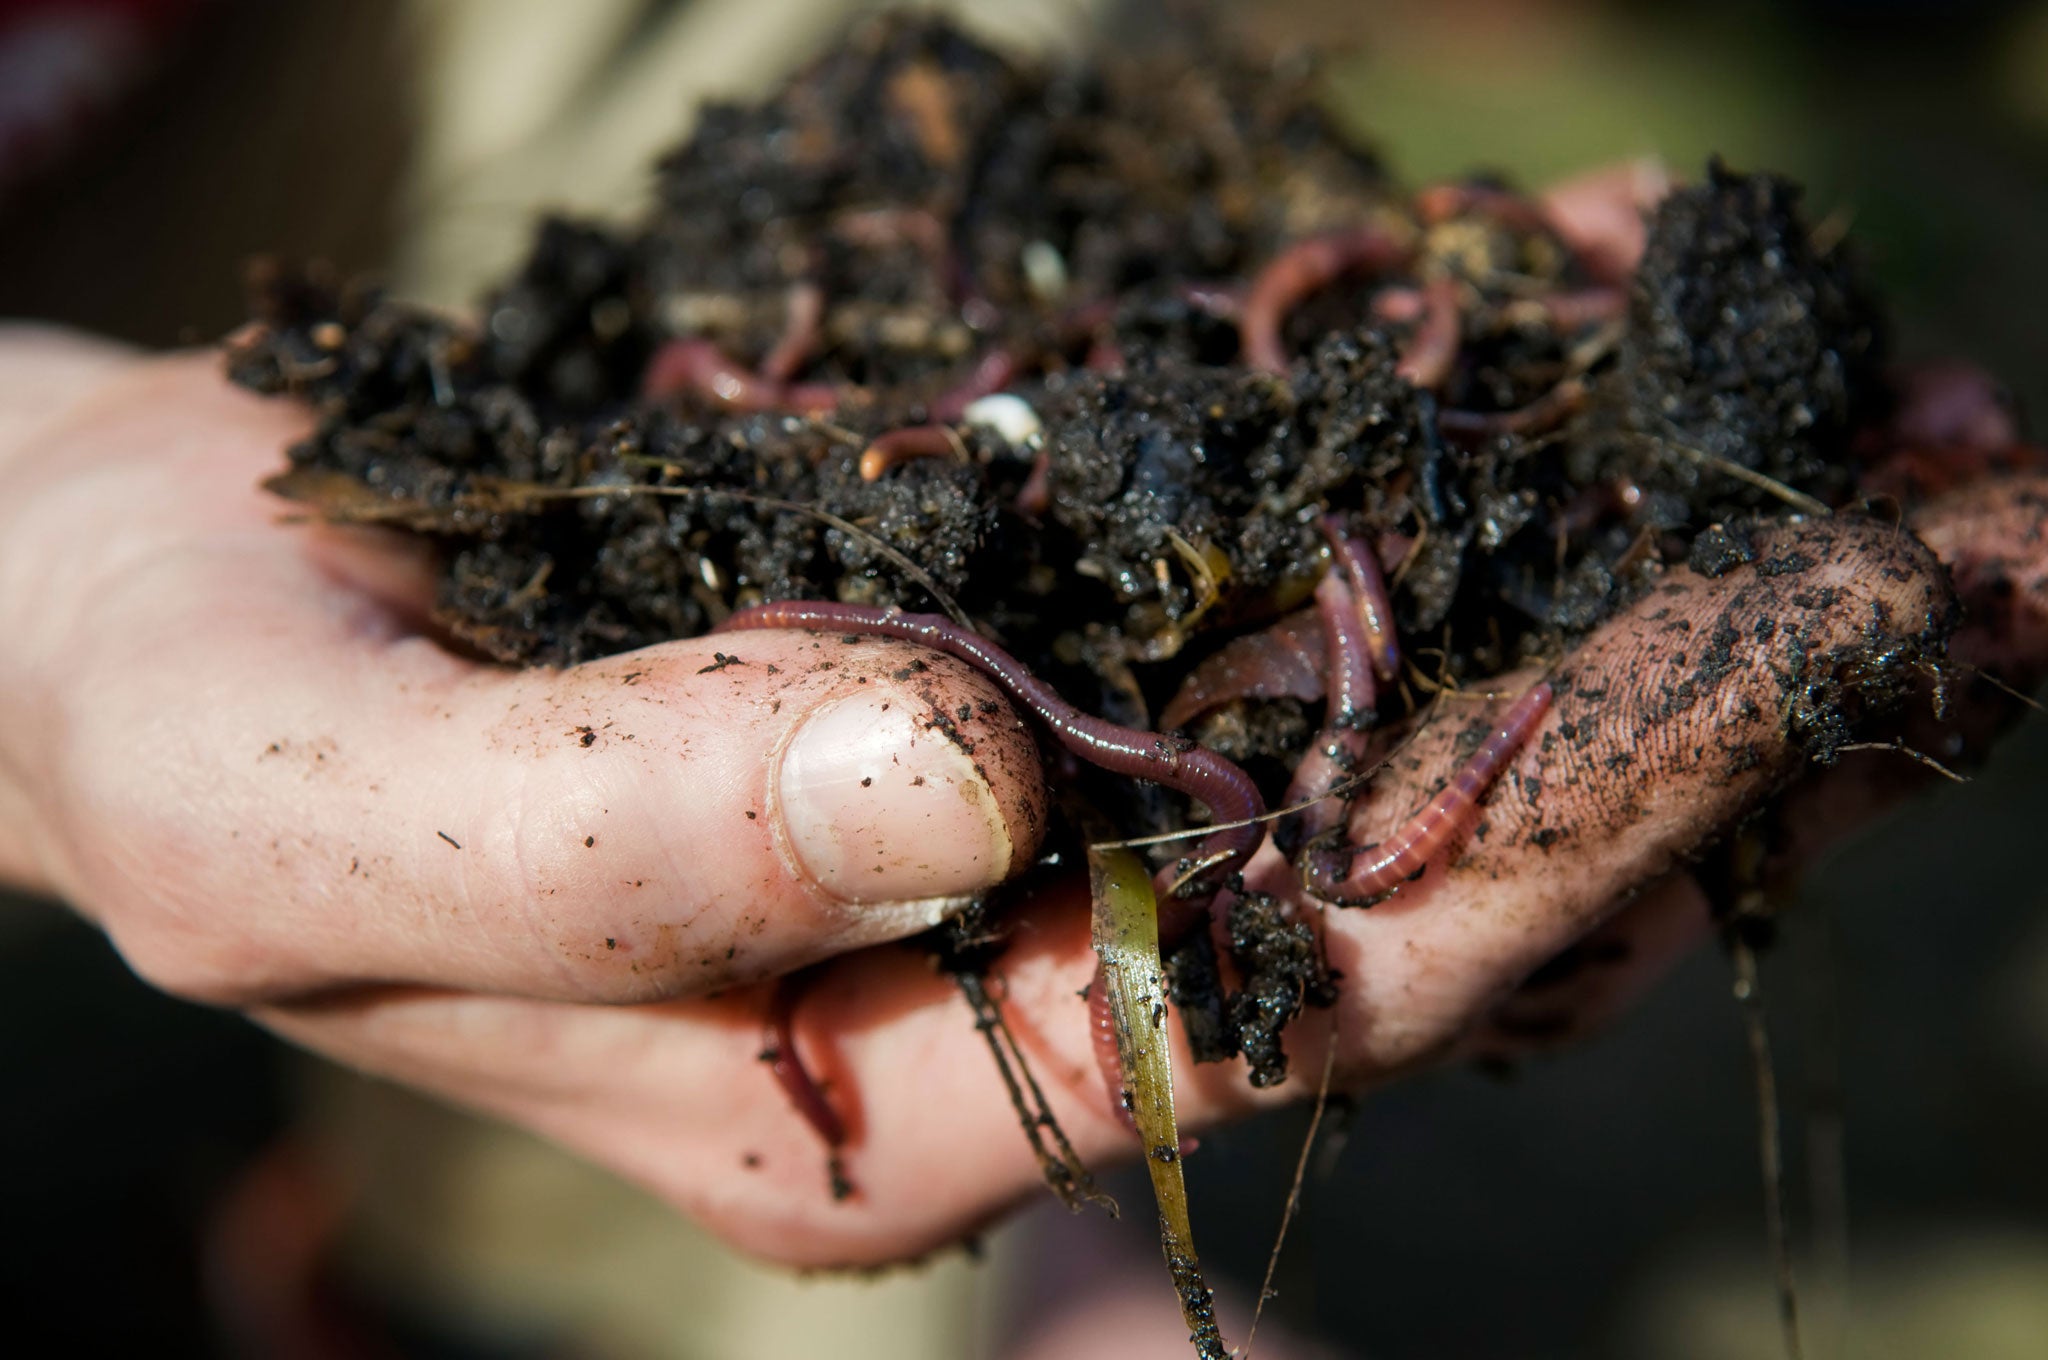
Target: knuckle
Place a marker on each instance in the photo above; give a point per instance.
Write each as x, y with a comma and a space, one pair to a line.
589, 913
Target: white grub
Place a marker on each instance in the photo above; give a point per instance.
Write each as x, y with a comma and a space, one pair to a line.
1009, 416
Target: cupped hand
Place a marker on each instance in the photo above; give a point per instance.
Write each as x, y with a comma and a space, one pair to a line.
234, 742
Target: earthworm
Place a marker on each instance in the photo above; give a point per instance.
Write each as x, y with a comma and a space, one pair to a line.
1347, 637
1399, 304
932, 237
1196, 771
1298, 271
1219, 300
1361, 566
1349, 876
1340, 745
1193, 770
1427, 359
1034, 498
1548, 410
1358, 632
696, 365
1283, 661
902, 445
788, 1066
1572, 309
799, 334
993, 372
1440, 203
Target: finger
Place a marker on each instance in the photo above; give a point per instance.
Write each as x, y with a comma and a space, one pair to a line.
265, 783
1994, 538
1702, 700
1590, 982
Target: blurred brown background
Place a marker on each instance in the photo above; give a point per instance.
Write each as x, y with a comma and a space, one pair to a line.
164, 1164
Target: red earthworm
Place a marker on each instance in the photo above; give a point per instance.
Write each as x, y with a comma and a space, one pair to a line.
1597, 248
1353, 694
1284, 661
1104, 356
795, 1078
1298, 271
696, 365
1177, 920
1109, 1059
792, 349
1034, 498
1572, 309
1220, 300
903, 445
1196, 771
1340, 746
1427, 359
1348, 876
880, 228
993, 372
1358, 628
999, 367
1361, 566
1548, 410
1440, 203
1399, 304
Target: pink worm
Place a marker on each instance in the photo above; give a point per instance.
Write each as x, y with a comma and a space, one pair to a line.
1358, 877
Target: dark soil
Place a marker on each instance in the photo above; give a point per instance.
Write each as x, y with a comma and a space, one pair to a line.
1082, 233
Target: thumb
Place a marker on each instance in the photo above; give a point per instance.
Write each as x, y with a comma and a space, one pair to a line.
264, 781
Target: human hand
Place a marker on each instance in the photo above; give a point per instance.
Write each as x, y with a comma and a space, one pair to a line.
231, 742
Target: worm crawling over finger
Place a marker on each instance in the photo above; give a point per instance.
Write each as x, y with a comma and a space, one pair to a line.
1358, 876
1230, 795
1196, 771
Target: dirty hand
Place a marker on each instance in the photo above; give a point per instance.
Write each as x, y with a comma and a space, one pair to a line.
232, 742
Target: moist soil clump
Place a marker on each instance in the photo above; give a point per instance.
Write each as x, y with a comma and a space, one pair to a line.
937, 328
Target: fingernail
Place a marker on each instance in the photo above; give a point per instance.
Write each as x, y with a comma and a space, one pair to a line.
881, 805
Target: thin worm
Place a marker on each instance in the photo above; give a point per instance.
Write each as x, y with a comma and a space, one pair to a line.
1346, 637
1357, 877
1109, 1058
1298, 271
1554, 407
1574, 309
697, 366
1400, 305
1193, 770
1034, 498
1340, 746
1220, 300
1361, 566
1432, 351
788, 1065
1439, 203
792, 349
1177, 920
993, 372
880, 228
1196, 771
905, 444
1284, 661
